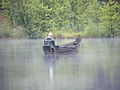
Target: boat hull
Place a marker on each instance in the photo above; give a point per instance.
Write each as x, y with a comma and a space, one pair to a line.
70, 47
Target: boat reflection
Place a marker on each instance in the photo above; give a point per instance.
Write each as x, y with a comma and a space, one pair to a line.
51, 61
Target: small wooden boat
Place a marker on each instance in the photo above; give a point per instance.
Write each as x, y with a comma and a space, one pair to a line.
70, 47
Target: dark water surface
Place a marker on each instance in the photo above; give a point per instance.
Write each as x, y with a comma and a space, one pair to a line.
96, 66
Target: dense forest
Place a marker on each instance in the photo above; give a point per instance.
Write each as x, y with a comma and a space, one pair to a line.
65, 18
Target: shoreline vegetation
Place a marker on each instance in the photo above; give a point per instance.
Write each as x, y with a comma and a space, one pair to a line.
16, 33
64, 18
7, 31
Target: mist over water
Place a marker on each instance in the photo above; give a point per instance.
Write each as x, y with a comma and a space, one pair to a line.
96, 65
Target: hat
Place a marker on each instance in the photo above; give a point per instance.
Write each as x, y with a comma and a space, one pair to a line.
50, 34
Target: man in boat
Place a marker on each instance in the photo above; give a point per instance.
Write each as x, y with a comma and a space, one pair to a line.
49, 40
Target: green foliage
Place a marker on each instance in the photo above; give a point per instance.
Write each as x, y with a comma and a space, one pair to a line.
83, 17
7, 31
110, 18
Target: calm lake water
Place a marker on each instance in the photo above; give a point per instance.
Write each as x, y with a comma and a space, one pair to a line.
96, 66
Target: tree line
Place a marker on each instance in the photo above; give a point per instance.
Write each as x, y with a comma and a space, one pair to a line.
97, 18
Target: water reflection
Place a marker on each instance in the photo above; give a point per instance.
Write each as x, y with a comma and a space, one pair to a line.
102, 80
2, 74
95, 66
52, 60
